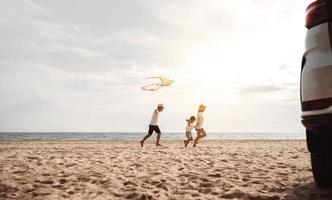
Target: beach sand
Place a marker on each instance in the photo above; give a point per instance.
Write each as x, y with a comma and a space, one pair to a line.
124, 170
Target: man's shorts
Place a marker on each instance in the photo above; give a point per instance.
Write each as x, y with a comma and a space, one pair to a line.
153, 128
189, 136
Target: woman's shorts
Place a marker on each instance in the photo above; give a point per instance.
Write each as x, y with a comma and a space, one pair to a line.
189, 136
153, 128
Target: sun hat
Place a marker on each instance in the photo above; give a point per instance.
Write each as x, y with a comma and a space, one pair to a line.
160, 105
202, 106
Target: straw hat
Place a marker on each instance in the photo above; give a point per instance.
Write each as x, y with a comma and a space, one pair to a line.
201, 107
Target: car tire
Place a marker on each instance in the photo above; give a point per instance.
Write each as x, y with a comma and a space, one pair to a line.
321, 163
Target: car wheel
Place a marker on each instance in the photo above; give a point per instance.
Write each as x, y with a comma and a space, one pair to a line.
321, 163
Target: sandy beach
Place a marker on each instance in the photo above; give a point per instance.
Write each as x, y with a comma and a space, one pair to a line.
124, 170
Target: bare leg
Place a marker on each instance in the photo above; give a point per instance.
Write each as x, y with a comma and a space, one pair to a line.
158, 139
196, 141
197, 137
145, 138
203, 133
186, 143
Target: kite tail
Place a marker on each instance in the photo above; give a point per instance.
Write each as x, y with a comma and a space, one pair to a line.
149, 88
152, 77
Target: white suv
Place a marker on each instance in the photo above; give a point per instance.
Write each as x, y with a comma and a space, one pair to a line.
316, 89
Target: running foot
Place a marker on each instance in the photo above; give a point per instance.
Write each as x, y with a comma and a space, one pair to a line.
159, 145
186, 144
141, 143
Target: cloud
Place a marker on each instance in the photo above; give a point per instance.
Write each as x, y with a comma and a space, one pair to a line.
259, 89
26, 7
81, 52
295, 99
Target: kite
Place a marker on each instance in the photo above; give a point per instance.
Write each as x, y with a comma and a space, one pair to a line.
156, 86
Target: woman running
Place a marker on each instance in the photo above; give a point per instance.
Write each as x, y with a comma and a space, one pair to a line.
199, 125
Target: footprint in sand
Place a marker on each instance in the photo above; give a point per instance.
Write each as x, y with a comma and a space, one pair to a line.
71, 192
19, 172
180, 169
210, 164
244, 179
205, 185
6, 190
129, 189
204, 190
237, 194
70, 164
28, 188
160, 185
83, 179
135, 195
32, 158
63, 181
51, 158
195, 195
45, 181
104, 182
41, 192
129, 183
214, 175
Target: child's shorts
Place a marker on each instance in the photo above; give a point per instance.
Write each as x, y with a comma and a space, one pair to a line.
189, 136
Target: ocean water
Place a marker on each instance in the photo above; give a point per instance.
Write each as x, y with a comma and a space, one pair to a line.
138, 136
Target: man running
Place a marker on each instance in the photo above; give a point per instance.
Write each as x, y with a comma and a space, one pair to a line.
153, 126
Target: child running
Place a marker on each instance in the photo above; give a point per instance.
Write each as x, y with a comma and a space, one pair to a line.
189, 128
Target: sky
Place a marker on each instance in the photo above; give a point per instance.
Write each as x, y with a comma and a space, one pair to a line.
73, 65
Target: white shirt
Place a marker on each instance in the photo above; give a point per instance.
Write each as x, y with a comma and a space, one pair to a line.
189, 127
200, 120
154, 118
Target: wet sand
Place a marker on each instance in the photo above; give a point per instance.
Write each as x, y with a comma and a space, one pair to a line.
124, 170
